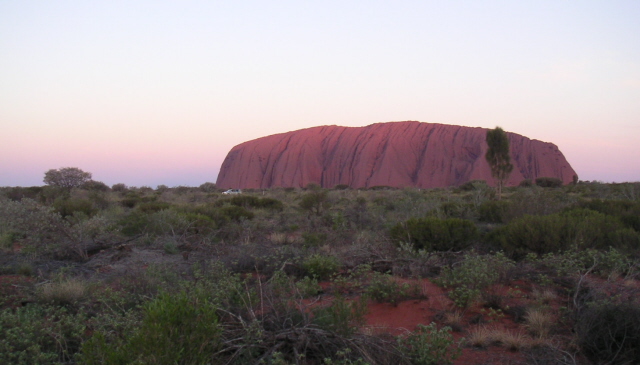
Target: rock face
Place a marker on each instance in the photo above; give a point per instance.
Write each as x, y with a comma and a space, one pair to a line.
397, 154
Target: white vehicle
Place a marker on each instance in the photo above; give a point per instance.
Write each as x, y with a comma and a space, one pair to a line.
232, 192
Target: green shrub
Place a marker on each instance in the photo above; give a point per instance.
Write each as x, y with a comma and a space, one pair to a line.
538, 234
493, 211
627, 211
93, 185
342, 316
429, 346
199, 223
472, 275
548, 182
18, 193
314, 201
308, 287
25, 269
131, 199
208, 187
270, 204
39, 227
165, 222
434, 234
576, 228
242, 200
607, 263
40, 335
341, 187
134, 223
177, 329
152, 206
7, 239
68, 207
236, 213
526, 183
170, 247
321, 267
537, 201
473, 185
314, 239
213, 212
456, 209
120, 188
383, 288
250, 201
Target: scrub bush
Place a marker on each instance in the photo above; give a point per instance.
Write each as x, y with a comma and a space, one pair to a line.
341, 317
152, 206
473, 185
270, 204
474, 273
627, 211
93, 185
434, 234
321, 267
236, 213
134, 223
429, 346
383, 288
250, 201
40, 335
548, 182
177, 329
493, 211
207, 187
609, 333
526, 183
576, 228
18, 193
314, 201
456, 210
537, 201
120, 188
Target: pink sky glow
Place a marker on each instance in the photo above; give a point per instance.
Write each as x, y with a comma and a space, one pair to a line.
157, 92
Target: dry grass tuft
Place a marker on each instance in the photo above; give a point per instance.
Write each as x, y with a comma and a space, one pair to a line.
482, 337
278, 238
545, 296
539, 322
515, 341
453, 320
64, 292
512, 340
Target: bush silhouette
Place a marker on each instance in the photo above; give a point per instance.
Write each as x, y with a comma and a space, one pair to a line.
575, 228
548, 182
610, 333
434, 234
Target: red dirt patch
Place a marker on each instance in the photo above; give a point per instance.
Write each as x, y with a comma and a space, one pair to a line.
406, 315
12, 289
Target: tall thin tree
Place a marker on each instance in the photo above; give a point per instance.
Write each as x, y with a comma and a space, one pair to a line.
498, 157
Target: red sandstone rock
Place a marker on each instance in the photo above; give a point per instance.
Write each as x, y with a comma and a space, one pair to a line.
397, 154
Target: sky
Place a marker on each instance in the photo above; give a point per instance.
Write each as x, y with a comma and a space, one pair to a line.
157, 92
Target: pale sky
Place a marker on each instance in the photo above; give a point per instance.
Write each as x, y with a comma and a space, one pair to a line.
157, 92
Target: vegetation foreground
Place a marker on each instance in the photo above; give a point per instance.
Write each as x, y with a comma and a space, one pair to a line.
548, 274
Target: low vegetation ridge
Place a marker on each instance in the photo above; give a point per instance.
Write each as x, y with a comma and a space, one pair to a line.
92, 274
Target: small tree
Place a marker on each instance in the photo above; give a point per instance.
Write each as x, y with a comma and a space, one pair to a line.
498, 157
314, 202
66, 177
